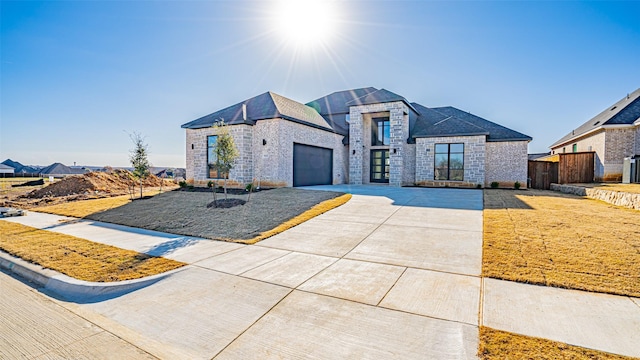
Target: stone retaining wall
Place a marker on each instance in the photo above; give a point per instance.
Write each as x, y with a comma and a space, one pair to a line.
618, 198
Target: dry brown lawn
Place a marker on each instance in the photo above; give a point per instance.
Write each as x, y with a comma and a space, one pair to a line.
495, 344
554, 239
79, 258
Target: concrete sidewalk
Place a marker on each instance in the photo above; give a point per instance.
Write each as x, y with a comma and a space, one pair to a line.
394, 273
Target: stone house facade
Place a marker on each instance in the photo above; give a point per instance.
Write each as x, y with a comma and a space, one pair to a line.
358, 136
612, 135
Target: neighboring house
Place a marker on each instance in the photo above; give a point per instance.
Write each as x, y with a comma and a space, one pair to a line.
60, 170
613, 135
358, 136
6, 169
18, 168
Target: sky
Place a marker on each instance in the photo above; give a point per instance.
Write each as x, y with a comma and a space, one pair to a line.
78, 77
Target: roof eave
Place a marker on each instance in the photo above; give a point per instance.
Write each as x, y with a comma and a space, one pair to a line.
601, 127
451, 135
527, 139
329, 129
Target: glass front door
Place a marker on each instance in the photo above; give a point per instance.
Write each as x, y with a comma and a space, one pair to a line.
380, 166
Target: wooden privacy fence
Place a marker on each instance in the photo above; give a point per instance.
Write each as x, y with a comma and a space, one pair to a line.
576, 168
542, 174
571, 168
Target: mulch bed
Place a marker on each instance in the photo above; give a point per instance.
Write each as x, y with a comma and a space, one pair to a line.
186, 213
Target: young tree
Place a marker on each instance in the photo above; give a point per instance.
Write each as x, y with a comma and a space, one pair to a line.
139, 158
226, 152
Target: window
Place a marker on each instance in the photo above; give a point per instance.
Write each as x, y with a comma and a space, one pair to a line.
212, 157
380, 131
449, 162
575, 148
347, 118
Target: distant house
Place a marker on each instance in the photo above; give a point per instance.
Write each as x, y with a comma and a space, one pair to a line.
6, 170
357, 136
18, 168
613, 135
60, 170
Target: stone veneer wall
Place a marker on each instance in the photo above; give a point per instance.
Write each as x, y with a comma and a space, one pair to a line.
619, 143
409, 176
637, 149
274, 161
474, 160
506, 163
618, 198
360, 141
271, 164
197, 169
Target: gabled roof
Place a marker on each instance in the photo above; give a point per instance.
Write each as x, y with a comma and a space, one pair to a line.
624, 112
18, 167
336, 103
495, 132
60, 169
264, 106
380, 96
431, 123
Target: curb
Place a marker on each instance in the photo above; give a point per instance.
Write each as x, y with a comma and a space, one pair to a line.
74, 289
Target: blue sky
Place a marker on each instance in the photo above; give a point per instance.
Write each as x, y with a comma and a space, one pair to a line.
77, 76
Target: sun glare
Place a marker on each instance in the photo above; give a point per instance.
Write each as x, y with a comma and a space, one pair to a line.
305, 23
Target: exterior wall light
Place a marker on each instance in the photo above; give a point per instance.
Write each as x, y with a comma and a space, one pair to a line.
264, 141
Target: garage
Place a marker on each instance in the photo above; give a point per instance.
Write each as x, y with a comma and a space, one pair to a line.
312, 165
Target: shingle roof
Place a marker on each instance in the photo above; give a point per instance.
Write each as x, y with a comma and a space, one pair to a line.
336, 103
624, 112
264, 106
330, 112
18, 167
496, 132
334, 108
379, 96
431, 123
60, 169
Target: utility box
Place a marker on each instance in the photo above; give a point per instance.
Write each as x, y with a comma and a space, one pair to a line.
635, 169
626, 170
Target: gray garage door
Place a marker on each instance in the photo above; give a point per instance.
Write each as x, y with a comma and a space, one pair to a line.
312, 165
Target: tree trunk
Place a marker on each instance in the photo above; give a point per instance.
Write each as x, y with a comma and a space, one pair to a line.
140, 188
215, 198
225, 186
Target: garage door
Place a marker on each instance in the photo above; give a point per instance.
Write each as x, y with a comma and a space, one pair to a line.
312, 165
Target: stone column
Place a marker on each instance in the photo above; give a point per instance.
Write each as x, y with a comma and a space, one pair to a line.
396, 145
356, 130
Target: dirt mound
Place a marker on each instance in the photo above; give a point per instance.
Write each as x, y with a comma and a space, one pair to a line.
114, 182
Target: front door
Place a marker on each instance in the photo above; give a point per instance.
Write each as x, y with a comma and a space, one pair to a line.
380, 166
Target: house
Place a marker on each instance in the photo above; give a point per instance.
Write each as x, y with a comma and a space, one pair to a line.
18, 168
6, 169
60, 170
358, 136
613, 134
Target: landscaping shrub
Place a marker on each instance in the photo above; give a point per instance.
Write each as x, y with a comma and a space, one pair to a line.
494, 184
516, 185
